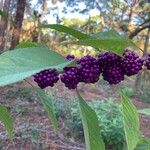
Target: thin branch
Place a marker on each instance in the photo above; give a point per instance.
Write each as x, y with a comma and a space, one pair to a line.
146, 21
140, 49
137, 30
28, 82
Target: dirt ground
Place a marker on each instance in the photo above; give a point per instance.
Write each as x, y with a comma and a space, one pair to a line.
32, 127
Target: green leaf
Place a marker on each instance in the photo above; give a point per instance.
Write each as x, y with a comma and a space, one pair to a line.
27, 44
70, 31
145, 111
91, 128
105, 34
19, 64
143, 144
2, 13
108, 40
7, 120
46, 101
131, 122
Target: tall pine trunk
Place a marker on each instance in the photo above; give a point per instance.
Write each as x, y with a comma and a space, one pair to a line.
4, 24
18, 23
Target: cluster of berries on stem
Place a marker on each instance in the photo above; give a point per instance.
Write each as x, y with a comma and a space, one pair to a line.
88, 69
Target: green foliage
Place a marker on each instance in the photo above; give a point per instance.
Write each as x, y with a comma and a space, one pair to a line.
7, 120
128, 91
111, 123
144, 93
74, 122
2, 13
109, 116
34, 134
108, 40
28, 44
31, 131
145, 111
19, 64
70, 31
131, 122
61, 108
92, 134
46, 101
143, 144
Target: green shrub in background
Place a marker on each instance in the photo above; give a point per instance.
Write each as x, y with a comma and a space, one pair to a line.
144, 94
128, 91
109, 115
60, 108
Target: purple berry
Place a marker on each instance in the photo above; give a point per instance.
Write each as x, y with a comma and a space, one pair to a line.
131, 63
71, 77
147, 61
89, 69
70, 57
113, 74
111, 67
108, 59
46, 78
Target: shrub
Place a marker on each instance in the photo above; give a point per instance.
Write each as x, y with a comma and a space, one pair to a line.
144, 95
129, 91
109, 116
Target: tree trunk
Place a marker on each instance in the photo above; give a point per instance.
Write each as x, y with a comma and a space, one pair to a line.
18, 23
4, 24
1, 4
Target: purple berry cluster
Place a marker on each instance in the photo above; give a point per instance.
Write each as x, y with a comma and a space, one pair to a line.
71, 77
113, 74
147, 61
131, 63
88, 69
46, 78
108, 59
111, 67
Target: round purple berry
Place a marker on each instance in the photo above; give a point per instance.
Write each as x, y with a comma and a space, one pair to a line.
89, 69
147, 61
113, 74
70, 57
108, 59
46, 78
131, 63
71, 77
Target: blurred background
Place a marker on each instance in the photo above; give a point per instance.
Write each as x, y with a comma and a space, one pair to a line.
19, 20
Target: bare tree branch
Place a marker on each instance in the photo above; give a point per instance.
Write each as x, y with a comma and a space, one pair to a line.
146, 21
137, 30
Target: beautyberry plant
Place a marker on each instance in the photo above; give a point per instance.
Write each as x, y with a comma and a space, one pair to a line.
46, 78
112, 70
113, 74
112, 66
71, 77
131, 63
89, 69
